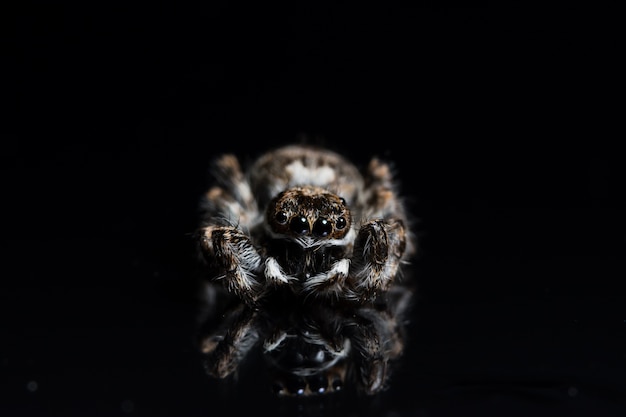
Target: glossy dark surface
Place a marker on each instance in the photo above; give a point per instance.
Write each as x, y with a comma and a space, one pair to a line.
116, 110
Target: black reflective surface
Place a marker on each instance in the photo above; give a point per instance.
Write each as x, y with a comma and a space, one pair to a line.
115, 111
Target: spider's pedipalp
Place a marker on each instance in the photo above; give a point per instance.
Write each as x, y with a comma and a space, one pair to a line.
329, 284
274, 273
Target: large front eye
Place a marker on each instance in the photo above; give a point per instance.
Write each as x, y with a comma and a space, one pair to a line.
299, 225
322, 227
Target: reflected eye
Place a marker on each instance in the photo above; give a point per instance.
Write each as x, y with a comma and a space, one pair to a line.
281, 217
341, 223
299, 225
322, 227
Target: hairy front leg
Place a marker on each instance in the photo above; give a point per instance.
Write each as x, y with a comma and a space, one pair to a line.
378, 251
234, 260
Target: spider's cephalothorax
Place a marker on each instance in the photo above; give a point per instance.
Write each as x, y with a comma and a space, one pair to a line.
308, 232
306, 222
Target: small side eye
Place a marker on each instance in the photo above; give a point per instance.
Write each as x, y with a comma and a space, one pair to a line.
322, 227
343, 200
281, 217
341, 223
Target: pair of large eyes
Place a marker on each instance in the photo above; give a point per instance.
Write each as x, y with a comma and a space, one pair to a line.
300, 225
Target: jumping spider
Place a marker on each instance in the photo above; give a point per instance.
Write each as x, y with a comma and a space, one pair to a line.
312, 252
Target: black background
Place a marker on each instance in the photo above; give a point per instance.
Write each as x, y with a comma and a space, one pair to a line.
500, 124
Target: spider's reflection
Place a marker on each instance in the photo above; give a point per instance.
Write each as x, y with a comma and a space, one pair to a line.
310, 346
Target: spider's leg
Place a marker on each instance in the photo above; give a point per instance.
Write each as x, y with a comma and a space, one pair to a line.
382, 200
229, 212
226, 348
378, 250
375, 342
234, 260
231, 197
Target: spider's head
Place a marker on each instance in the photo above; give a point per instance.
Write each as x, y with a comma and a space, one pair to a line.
309, 215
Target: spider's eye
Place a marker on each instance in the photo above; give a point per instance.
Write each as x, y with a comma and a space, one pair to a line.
343, 200
281, 217
341, 223
299, 225
322, 227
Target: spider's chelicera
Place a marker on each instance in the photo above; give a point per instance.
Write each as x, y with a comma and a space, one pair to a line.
311, 251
